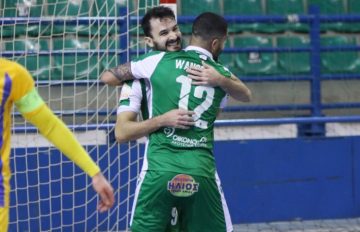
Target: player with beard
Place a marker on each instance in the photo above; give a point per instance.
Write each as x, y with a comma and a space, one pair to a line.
162, 33
169, 149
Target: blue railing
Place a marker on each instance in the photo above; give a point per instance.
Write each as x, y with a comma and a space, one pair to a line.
221, 123
314, 19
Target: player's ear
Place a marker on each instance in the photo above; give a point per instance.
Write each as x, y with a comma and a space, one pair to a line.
214, 44
149, 41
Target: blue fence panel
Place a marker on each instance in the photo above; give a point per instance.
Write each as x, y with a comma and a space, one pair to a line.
290, 179
263, 181
61, 197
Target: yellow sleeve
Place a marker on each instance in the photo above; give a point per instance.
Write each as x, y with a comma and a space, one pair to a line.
22, 80
36, 111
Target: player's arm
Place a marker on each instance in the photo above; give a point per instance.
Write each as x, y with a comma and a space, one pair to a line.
235, 88
33, 108
128, 128
209, 76
143, 67
117, 75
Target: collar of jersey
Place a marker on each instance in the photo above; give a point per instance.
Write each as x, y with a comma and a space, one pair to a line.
200, 50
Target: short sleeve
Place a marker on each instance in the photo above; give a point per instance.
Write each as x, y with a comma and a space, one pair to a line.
144, 67
130, 97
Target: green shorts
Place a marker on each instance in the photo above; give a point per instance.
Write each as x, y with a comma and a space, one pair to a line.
199, 201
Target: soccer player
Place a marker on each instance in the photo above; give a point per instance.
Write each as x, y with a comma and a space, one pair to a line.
17, 87
162, 32
180, 163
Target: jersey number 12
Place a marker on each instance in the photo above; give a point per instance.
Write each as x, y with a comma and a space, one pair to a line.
198, 93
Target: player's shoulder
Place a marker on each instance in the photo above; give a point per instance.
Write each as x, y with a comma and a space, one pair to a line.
13, 68
9, 64
182, 54
149, 55
219, 67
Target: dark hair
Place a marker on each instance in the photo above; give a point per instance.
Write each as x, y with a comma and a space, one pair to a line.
209, 25
158, 12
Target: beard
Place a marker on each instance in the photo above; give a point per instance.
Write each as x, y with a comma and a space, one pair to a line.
170, 45
217, 53
159, 47
216, 57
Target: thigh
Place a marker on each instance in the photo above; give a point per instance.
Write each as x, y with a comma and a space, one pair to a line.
154, 203
4, 207
206, 210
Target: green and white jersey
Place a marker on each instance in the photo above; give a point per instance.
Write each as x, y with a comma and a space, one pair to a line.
134, 96
184, 151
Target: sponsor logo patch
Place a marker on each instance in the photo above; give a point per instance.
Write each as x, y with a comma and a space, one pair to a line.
182, 141
125, 92
182, 185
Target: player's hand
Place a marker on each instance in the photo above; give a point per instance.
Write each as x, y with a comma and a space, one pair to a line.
207, 75
106, 192
178, 118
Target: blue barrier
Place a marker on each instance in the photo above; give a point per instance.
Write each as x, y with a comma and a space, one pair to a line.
290, 179
263, 181
70, 198
218, 123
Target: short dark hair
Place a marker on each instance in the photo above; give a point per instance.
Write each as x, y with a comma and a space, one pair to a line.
209, 25
158, 12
